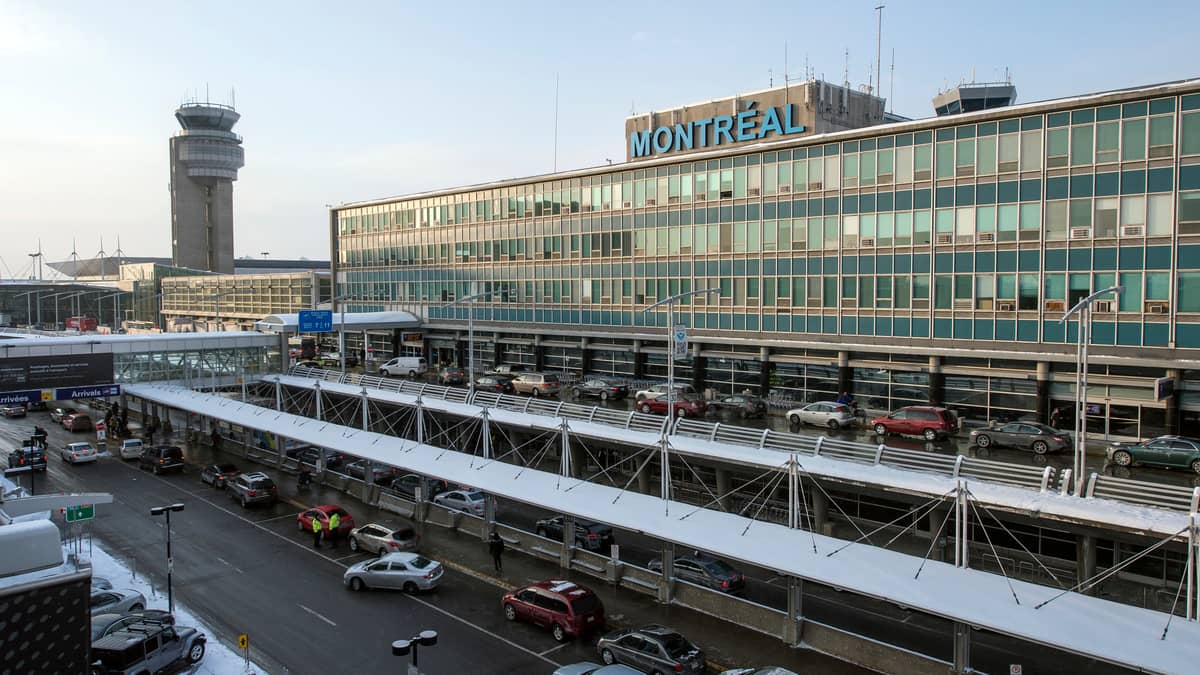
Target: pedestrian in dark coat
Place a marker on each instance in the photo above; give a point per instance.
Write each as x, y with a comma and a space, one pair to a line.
496, 548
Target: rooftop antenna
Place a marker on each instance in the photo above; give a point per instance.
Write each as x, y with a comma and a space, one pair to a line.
771, 78
556, 123
846, 70
878, 47
100, 254
119, 253
74, 261
892, 86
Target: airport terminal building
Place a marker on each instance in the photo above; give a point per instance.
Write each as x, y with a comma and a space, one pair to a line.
909, 261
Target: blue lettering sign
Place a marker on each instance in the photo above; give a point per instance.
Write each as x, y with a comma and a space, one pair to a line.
315, 321
97, 391
14, 397
683, 136
662, 139
748, 125
639, 143
721, 127
702, 127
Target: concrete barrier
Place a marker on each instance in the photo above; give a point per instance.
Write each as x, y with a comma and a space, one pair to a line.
394, 504
869, 653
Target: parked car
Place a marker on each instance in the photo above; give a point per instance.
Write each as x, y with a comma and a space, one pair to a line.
407, 486
345, 525
652, 649
57, 414
537, 384
467, 501
1169, 451
77, 422
449, 376
509, 369
218, 475
589, 668
383, 540
929, 422
588, 535
704, 570
823, 413
739, 404
660, 390
146, 647
131, 448
601, 389
1024, 435
13, 410
381, 474
255, 487
409, 572
497, 383
116, 601
411, 366
78, 453
334, 360
312, 456
101, 583
568, 609
160, 458
103, 624
692, 406
27, 455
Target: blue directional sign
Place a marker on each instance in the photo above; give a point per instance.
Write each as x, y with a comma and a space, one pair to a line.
14, 397
315, 321
97, 391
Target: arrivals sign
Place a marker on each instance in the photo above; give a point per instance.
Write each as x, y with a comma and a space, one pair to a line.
96, 391
748, 125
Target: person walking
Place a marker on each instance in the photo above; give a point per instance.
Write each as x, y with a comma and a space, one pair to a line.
316, 532
496, 548
334, 521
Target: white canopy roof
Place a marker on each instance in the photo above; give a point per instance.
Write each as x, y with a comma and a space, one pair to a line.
289, 323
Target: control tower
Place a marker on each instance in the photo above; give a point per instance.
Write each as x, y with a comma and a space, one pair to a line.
205, 158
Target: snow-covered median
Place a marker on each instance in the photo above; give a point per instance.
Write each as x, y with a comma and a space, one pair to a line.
219, 659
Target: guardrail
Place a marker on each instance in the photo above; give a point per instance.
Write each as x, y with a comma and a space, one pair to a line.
1041, 479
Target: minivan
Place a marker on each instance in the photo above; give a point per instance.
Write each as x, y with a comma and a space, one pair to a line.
537, 384
411, 366
930, 422
161, 458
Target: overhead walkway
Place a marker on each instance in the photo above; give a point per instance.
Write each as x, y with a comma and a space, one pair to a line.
1119, 634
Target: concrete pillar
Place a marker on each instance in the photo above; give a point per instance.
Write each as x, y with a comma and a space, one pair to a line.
585, 357
845, 372
764, 371
723, 488
639, 360
793, 628
1172, 402
937, 381
820, 507
578, 461
397, 343
1085, 560
1043, 392
699, 370
643, 480
666, 585
567, 545
497, 350
962, 648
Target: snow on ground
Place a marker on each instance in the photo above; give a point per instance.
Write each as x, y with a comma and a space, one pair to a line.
219, 657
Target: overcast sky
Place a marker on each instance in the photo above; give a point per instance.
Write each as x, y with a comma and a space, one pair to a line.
349, 101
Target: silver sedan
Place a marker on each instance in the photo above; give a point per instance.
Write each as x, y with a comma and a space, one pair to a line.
373, 537
409, 572
823, 413
117, 601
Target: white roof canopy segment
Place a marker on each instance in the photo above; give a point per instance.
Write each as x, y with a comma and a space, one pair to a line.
290, 323
1120, 634
1103, 512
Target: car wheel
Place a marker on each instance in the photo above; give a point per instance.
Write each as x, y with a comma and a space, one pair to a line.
383, 372
577, 392
604, 396
880, 430
243, 502
1122, 458
154, 470
1040, 448
300, 525
646, 408
535, 392
196, 653
410, 588
794, 420
681, 412
356, 584
353, 545
510, 612
560, 635
983, 440
833, 425
1196, 465
930, 435
606, 655
136, 607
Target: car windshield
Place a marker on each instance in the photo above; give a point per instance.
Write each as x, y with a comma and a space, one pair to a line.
584, 604
474, 496
261, 483
676, 645
717, 568
226, 468
403, 535
341, 513
420, 562
550, 378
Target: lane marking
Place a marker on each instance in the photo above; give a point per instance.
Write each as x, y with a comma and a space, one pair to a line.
355, 555
267, 520
229, 564
317, 614
554, 649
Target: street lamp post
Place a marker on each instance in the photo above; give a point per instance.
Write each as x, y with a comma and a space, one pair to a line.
426, 638
471, 332
664, 457
158, 511
342, 327
1084, 309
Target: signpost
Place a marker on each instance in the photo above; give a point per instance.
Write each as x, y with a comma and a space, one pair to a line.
315, 321
244, 645
75, 514
95, 391
679, 341
1164, 387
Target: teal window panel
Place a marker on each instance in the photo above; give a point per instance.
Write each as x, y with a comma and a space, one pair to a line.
866, 264
985, 329
987, 129
814, 266
1079, 259
945, 197
1027, 331
850, 204
901, 327
966, 131
962, 329
904, 140
849, 325
712, 320
850, 264
963, 262
1052, 331
1108, 113
1134, 109
904, 200
828, 325
1006, 261
850, 146
739, 268
1031, 190
1061, 119
1133, 182
903, 263
726, 267
1085, 116
794, 208
1129, 334
713, 267
943, 328
769, 266
866, 203
1131, 258
964, 195
943, 262
945, 134
1029, 260
1190, 102
883, 327
922, 199
726, 322
798, 266
701, 217
920, 328
985, 262
1156, 334
751, 322
1005, 330
1031, 122
1189, 177
1162, 105
1081, 186
1007, 192
814, 207
866, 325
831, 265
920, 263
1009, 126
985, 193
770, 210
830, 206
1072, 333
1189, 257
1158, 257
1160, 180
886, 201
1108, 184
1057, 188
782, 323
1104, 332
1187, 335
1104, 258
883, 264
1056, 260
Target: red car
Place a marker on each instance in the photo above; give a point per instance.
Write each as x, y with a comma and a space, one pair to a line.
691, 406
77, 422
566, 608
322, 513
918, 420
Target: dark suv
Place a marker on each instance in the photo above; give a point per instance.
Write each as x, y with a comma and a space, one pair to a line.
588, 535
252, 488
28, 455
160, 458
146, 647
918, 420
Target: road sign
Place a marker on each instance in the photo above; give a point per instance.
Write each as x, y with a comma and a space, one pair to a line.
679, 341
75, 514
243, 641
96, 391
29, 396
1014, 669
315, 321
1164, 387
